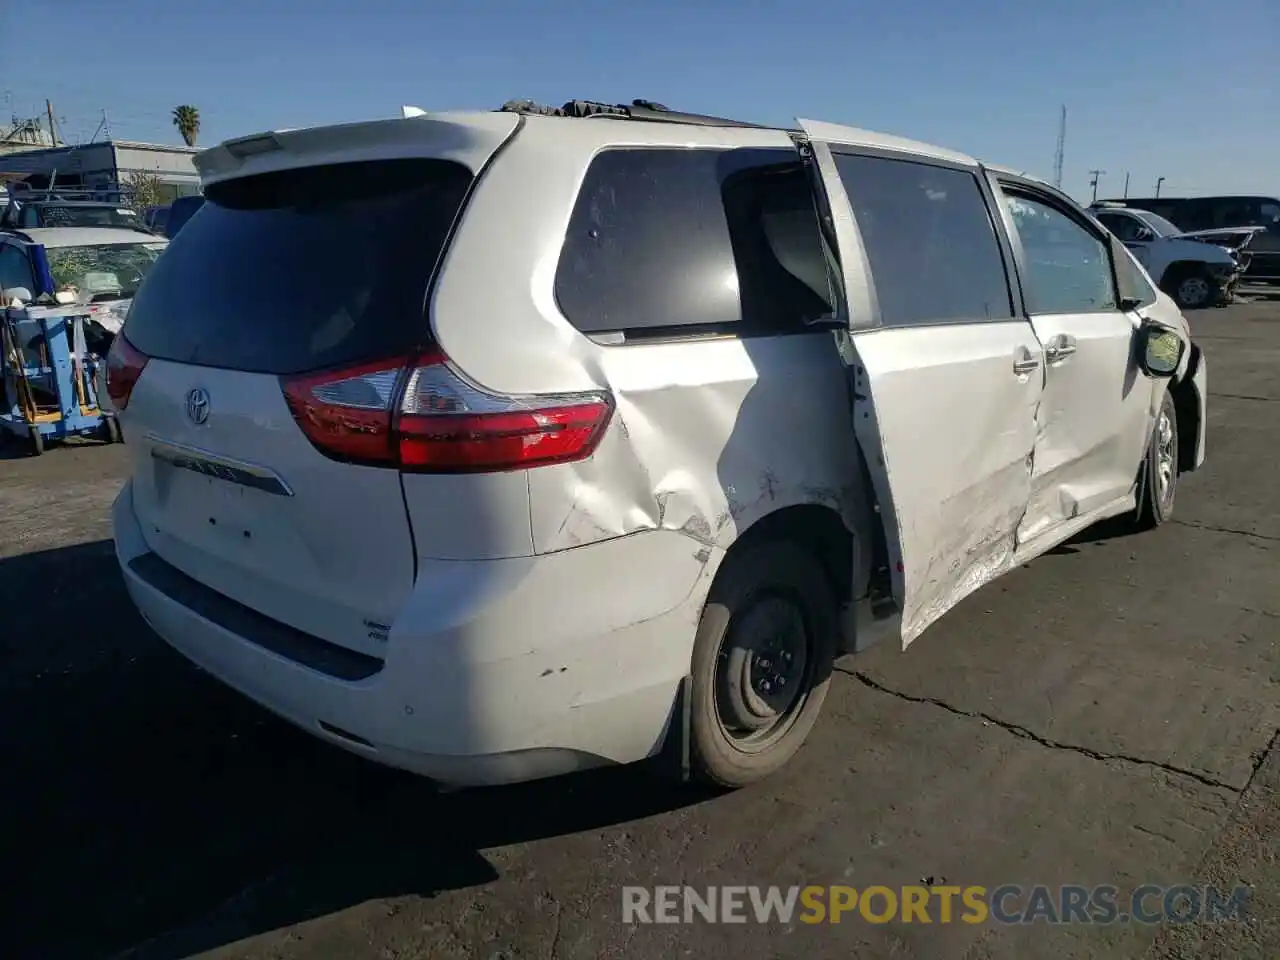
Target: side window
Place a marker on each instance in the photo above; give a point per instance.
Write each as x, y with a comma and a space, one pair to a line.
929, 240
15, 268
1236, 213
663, 238
1135, 280
1068, 268
1192, 215
1123, 226
1270, 211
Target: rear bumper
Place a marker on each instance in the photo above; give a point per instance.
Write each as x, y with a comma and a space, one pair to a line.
495, 671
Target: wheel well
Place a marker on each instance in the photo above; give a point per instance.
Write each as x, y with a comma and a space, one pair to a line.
818, 529
1187, 410
1179, 269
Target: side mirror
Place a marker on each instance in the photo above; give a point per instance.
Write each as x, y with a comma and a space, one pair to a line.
1159, 350
16, 296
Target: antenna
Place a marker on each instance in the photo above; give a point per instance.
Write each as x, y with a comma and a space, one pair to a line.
1093, 182
1062, 143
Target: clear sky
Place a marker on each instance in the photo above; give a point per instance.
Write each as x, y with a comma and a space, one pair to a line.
1183, 89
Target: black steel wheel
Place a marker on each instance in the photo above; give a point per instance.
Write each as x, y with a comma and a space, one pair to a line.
761, 662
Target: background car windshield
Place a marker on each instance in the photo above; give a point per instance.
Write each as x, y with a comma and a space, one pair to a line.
54, 215
102, 272
1159, 224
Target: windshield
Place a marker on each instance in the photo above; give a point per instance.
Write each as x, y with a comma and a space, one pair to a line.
72, 215
102, 272
1159, 224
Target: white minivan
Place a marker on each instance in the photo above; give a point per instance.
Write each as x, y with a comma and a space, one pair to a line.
498, 445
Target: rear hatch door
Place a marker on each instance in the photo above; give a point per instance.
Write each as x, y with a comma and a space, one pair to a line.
294, 264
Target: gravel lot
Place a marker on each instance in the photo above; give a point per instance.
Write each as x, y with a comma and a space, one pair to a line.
1100, 716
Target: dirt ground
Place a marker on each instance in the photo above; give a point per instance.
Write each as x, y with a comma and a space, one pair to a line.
1101, 716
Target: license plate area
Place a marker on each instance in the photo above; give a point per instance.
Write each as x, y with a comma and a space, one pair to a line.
228, 507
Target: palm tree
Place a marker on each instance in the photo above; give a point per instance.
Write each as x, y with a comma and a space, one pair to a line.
187, 119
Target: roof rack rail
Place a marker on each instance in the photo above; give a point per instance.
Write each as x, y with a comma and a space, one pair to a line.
106, 193
636, 110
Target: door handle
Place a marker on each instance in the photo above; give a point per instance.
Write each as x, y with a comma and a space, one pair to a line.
1059, 348
1025, 362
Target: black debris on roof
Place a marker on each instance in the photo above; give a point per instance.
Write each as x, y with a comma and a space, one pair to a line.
636, 110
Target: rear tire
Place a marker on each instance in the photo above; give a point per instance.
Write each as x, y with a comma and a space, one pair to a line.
1158, 485
761, 662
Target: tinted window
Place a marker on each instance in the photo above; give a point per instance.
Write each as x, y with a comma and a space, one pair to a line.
1192, 214
929, 239
1068, 268
675, 238
294, 271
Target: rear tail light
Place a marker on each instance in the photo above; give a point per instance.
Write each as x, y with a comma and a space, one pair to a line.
437, 422
125, 364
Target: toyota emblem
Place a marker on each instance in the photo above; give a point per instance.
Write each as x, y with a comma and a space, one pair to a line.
198, 405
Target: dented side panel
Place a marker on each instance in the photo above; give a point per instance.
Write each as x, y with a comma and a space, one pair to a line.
1093, 423
949, 429
708, 437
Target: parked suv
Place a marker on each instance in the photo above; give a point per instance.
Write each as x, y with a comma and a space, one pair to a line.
498, 445
1197, 270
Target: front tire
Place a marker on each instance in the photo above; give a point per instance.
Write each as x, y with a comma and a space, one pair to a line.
1158, 485
1192, 289
761, 662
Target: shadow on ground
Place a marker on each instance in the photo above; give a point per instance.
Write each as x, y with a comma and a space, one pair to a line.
141, 795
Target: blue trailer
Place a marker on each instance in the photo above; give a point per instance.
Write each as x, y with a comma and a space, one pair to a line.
49, 377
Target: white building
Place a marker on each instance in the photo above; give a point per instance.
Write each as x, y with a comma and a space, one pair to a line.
105, 163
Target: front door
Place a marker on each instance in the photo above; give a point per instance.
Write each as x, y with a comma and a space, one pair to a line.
1095, 415
946, 375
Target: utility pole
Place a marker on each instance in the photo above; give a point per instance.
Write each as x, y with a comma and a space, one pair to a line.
1126, 185
1093, 182
1159, 180
106, 124
1062, 143
53, 130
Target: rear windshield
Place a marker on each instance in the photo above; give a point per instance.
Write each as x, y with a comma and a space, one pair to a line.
71, 215
301, 270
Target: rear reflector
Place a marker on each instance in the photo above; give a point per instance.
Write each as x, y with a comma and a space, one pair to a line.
441, 423
125, 364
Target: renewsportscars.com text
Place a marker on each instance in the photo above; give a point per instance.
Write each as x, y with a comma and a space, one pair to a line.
1008, 904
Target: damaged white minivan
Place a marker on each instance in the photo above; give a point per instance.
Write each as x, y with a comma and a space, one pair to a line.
498, 445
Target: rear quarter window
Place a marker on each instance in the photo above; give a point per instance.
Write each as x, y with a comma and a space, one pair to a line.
300, 270
673, 240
